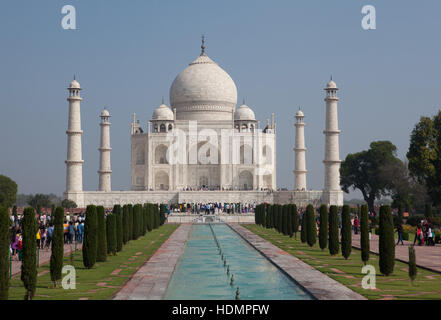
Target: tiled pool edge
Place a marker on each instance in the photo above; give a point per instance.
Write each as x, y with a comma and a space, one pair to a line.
151, 280
316, 283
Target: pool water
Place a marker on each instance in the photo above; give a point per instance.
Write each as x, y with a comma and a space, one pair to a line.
201, 275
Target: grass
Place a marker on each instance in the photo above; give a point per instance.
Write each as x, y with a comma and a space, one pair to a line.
97, 283
426, 286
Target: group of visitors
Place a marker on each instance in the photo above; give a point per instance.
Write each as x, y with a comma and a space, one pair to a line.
213, 208
73, 228
425, 234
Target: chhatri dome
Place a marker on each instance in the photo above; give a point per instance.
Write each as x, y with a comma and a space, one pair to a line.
162, 113
244, 113
203, 91
74, 84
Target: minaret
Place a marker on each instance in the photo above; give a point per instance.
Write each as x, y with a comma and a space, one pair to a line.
332, 155
300, 150
74, 162
105, 171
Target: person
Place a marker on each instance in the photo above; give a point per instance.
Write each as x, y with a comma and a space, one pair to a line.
50, 232
400, 234
43, 236
66, 234
356, 224
71, 230
417, 235
38, 237
20, 246
429, 236
14, 242
80, 232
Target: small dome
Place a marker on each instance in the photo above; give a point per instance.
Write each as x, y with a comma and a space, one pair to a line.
331, 85
299, 113
162, 113
244, 113
105, 113
74, 85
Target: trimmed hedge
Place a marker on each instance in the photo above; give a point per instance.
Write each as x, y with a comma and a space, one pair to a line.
57, 254
334, 246
323, 232
346, 232
90, 237
101, 254
29, 255
386, 241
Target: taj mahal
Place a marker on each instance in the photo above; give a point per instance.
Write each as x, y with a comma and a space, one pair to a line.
203, 148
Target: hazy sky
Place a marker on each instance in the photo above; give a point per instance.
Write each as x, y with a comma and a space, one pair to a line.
280, 54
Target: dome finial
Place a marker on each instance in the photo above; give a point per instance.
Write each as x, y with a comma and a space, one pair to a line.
243, 101
74, 77
331, 77
162, 100
203, 45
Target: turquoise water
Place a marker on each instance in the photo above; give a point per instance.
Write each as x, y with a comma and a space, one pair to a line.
200, 273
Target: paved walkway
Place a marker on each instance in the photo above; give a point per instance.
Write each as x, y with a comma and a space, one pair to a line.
151, 280
45, 257
426, 257
318, 284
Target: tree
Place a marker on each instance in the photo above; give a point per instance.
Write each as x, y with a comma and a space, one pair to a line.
428, 212
137, 211
68, 204
101, 254
29, 260
364, 234
412, 264
303, 231
90, 237
285, 220
295, 220
8, 191
4, 252
149, 217
162, 212
346, 232
386, 241
39, 201
334, 245
269, 217
364, 171
424, 155
280, 218
289, 215
57, 254
126, 224
311, 226
156, 217
111, 234
119, 227
323, 232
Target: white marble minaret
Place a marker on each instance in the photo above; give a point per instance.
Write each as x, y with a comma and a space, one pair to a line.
332, 155
300, 150
74, 162
105, 170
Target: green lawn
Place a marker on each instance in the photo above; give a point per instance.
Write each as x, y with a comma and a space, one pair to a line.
98, 283
348, 272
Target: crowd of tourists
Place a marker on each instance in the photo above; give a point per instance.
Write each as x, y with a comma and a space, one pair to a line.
73, 228
425, 234
213, 208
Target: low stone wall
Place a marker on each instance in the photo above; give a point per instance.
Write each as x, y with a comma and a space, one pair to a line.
227, 218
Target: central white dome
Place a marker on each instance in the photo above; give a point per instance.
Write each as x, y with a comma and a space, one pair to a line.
203, 91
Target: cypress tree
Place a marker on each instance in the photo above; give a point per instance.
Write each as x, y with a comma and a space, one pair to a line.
334, 245
101, 254
346, 232
323, 232
130, 220
162, 211
29, 260
145, 214
57, 254
276, 216
111, 234
412, 264
4, 253
311, 226
119, 227
303, 228
149, 217
280, 218
295, 220
285, 220
364, 234
387, 241
126, 224
269, 218
90, 237
289, 220
137, 212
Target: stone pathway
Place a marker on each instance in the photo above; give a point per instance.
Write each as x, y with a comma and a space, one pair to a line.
318, 284
151, 280
426, 257
45, 257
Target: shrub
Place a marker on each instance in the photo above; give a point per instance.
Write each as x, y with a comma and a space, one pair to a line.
90, 237
29, 260
334, 246
4, 252
119, 227
405, 235
149, 217
289, 218
414, 220
386, 241
295, 220
346, 232
111, 234
101, 254
303, 237
163, 212
311, 226
323, 232
364, 234
57, 254
435, 221
285, 220
126, 224
412, 264
130, 221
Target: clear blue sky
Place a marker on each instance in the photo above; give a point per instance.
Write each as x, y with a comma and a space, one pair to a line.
280, 54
